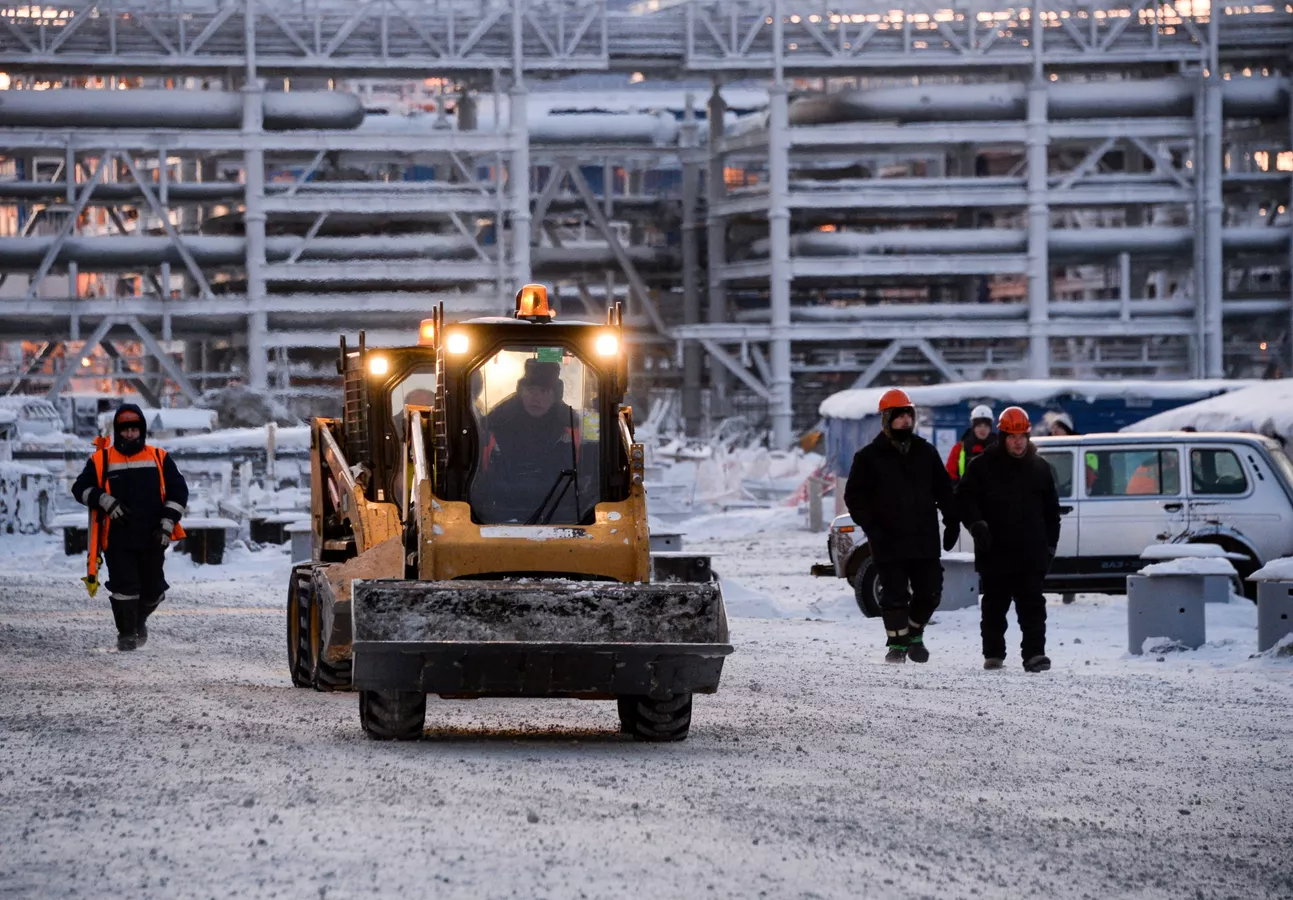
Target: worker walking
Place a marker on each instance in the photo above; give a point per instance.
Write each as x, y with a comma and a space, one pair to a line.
977, 438
1009, 502
896, 488
136, 497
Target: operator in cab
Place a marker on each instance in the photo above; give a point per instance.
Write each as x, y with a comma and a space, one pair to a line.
529, 467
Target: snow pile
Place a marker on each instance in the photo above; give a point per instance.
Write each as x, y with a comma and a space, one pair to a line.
863, 402
741, 523
740, 601
1262, 408
1190, 566
1190, 551
1275, 570
238, 406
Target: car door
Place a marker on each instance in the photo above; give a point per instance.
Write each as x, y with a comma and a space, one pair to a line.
1232, 491
1132, 497
1063, 465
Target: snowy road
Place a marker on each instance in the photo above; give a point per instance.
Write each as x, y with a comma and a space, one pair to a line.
193, 769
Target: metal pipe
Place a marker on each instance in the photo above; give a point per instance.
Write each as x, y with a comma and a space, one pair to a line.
692, 362
1265, 97
1214, 207
716, 237
254, 209
76, 108
1039, 217
779, 255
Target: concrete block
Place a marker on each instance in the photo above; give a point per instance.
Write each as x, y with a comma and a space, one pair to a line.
1274, 612
960, 584
1216, 588
1169, 606
665, 542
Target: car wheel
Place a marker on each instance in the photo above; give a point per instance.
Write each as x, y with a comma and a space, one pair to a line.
866, 589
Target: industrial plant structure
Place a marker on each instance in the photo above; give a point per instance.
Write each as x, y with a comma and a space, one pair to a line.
791, 196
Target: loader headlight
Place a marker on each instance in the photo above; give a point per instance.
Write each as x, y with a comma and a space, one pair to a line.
378, 365
607, 345
457, 343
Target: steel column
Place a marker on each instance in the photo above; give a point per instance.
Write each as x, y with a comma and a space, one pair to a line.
1039, 219
692, 363
716, 231
782, 411
1213, 208
254, 210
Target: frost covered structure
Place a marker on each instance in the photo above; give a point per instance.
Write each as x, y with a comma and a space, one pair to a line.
26, 498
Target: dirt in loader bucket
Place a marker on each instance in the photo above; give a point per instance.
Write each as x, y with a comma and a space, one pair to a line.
540, 610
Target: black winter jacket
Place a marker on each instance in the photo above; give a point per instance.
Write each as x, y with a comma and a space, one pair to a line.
137, 485
895, 498
1017, 498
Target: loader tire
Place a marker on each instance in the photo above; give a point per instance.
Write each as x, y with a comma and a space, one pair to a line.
298, 628
656, 721
393, 715
328, 677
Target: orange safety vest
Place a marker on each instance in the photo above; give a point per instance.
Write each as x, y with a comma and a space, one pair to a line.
104, 458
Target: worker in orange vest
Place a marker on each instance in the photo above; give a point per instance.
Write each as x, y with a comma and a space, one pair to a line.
136, 497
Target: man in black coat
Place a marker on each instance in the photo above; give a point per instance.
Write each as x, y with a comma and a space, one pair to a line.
139, 495
897, 485
1008, 500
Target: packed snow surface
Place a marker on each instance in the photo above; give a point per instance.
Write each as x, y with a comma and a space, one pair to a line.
192, 768
1263, 408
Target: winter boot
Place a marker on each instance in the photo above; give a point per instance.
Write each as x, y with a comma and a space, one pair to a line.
141, 634
993, 663
146, 609
897, 649
917, 652
1039, 663
126, 615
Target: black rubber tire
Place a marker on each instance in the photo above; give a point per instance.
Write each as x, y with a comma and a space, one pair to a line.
298, 628
656, 721
866, 590
328, 677
393, 715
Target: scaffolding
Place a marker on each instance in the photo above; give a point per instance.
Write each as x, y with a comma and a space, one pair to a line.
939, 191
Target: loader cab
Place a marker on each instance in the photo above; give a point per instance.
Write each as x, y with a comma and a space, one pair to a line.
527, 416
518, 416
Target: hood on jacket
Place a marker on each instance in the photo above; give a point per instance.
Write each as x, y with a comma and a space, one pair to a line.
132, 415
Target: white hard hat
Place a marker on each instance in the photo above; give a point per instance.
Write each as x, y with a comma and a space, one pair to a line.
980, 412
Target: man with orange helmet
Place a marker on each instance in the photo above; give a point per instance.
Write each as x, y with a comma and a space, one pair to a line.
896, 488
138, 496
1009, 501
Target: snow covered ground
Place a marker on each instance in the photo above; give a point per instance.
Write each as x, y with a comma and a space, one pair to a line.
192, 768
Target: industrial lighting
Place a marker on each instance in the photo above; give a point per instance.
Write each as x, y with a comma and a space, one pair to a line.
457, 343
85, 360
607, 345
379, 365
532, 303
426, 333
1263, 345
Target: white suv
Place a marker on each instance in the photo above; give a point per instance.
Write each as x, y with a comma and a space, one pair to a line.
1119, 493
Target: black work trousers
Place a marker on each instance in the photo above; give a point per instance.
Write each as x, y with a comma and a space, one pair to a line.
1025, 589
136, 582
910, 591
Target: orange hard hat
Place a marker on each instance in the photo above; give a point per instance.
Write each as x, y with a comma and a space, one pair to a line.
1014, 420
894, 398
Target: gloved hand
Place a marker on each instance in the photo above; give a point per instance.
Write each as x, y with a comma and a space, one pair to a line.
951, 534
982, 537
1050, 557
163, 534
112, 506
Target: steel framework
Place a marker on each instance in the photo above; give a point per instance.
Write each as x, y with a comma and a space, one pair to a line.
755, 302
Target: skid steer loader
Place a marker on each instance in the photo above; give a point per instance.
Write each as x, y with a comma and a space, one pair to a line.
479, 529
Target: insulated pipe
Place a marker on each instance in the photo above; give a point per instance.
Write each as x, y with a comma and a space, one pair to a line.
1039, 226
1074, 309
125, 192
692, 361
779, 278
518, 177
76, 108
254, 245
1069, 243
124, 254
1266, 97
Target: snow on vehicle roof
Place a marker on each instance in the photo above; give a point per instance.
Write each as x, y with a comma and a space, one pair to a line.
1123, 437
863, 402
1264, 407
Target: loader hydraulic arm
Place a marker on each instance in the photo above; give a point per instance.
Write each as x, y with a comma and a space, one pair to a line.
371, 522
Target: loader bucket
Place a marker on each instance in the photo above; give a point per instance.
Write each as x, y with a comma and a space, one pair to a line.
540, 638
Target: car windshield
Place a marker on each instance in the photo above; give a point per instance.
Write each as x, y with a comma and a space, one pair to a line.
536, 413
